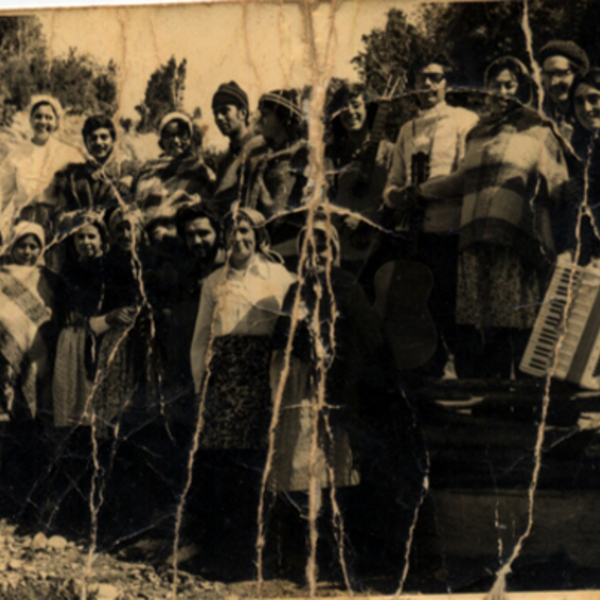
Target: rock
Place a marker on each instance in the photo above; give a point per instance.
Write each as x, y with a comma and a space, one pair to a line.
15, 565
184, 554
107, 592
57, 542
39, 542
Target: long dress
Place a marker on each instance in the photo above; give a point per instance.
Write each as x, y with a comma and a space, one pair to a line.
126, 382
340, 348
80, 298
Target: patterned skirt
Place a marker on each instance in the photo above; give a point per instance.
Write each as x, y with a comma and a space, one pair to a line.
237, 409
496, 288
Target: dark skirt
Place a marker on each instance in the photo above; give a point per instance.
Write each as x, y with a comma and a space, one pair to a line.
496, 288
237, 410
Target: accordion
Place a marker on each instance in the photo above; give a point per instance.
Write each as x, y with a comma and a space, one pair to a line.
566, 335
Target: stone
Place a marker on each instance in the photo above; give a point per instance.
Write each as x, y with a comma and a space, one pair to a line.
57, 542
39, 542
107, 592
15, 565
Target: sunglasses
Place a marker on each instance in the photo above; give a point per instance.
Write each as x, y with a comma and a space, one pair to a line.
432, 77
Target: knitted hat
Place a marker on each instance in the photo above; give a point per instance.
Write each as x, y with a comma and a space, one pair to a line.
567, 49
231, 93
285, 99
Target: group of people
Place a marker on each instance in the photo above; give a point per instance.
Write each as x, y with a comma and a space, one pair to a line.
190, 291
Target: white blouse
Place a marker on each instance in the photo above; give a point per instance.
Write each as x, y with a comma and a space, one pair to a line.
238, 302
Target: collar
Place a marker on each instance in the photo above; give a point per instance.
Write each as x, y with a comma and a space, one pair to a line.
258, 266
437, 110
99, 171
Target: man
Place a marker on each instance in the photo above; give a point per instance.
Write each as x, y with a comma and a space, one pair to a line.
199, 232
103, 181
231, 112
561, 61
429, 146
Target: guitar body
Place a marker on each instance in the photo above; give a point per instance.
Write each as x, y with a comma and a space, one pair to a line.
402, 290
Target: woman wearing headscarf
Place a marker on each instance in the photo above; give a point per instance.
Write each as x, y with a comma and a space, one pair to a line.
336, 330
103, 181
180, 166
127, 381
28, 171
26, 308
27, 342
276, 177
512, 182
230, 356
84, 320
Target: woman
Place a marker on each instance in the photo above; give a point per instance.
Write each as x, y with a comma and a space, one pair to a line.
83, 322
230, 356
324, 358
180, 167
27, 173
512, 181
103, 181
277, 177
26, 308
125, 380
361, 160
585, 103
356, 328
239, 305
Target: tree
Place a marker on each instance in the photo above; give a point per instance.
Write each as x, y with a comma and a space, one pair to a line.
23, 60
387, 60
82, 85
164, 93
468, 35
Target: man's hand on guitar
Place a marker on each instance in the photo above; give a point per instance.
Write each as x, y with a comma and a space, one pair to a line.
407, 203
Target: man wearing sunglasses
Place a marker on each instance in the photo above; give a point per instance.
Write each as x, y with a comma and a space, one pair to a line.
561, 61
432, 145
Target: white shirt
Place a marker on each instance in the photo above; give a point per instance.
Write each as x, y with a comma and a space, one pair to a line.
238, 302
26, 174
440, 133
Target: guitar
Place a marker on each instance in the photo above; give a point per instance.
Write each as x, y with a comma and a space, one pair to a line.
402, 288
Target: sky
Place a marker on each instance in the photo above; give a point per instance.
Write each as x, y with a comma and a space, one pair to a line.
261, 46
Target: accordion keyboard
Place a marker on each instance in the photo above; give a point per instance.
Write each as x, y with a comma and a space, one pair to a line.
568, 338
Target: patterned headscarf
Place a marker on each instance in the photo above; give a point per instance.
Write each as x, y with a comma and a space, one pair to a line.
321, 224
258, 223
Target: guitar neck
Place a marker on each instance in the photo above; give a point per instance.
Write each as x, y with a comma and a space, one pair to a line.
376, 135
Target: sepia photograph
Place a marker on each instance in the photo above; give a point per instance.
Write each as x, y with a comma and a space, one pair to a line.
300, 299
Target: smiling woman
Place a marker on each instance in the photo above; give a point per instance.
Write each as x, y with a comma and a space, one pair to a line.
25, 178
230, 358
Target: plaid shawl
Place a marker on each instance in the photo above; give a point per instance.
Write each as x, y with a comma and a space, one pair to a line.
22, 313
515, 173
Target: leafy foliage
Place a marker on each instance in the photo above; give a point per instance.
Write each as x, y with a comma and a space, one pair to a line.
78, 81
468, 36
82, 85
164, 93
